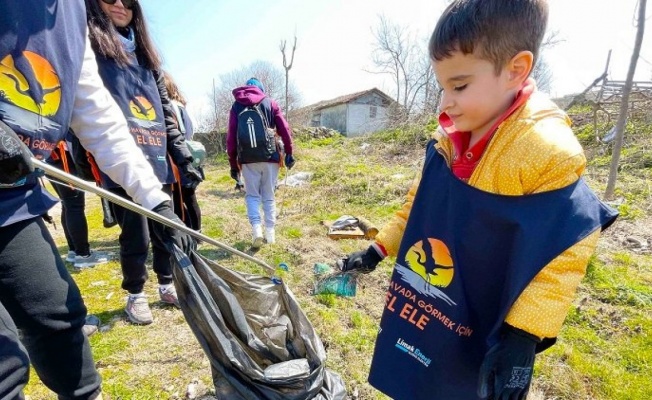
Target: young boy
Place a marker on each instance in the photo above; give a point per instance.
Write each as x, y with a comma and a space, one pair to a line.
495, 237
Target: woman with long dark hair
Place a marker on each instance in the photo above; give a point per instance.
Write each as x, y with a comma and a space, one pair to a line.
130, 69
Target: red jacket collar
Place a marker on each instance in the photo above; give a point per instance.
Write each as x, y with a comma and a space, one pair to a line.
463, 166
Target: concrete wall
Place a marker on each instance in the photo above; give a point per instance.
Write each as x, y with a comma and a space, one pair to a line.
361, 119
334, 118
365, 114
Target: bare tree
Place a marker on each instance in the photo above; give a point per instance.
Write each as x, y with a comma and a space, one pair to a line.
217, 109
211, 129
287, 66
400, 55
624, 102
221, 97
204, 122
542, 73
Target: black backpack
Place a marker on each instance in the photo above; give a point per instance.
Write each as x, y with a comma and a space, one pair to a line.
256, 140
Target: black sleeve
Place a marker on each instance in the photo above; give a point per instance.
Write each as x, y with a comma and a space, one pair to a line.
176, 143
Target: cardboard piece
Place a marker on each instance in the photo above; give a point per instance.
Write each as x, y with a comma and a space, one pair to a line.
362, 230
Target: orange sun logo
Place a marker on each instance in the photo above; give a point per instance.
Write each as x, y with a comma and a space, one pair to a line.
42, 96
432, 261
141, 108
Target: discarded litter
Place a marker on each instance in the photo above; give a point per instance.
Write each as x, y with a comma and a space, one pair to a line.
349, 227
298, 179
333, 281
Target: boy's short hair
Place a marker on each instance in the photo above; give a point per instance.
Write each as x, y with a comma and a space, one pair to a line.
495, 30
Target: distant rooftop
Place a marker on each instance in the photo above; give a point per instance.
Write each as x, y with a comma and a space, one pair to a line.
347, 98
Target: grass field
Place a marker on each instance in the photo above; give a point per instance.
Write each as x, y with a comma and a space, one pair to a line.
604, 351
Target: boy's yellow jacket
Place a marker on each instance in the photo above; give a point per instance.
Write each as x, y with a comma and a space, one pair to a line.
534, 150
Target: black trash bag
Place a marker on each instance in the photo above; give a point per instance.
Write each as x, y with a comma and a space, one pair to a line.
258, 340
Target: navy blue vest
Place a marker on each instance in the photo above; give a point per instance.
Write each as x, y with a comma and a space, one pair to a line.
465, 257
41, 53
134, 89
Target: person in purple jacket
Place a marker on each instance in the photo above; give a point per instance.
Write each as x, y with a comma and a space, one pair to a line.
255, 123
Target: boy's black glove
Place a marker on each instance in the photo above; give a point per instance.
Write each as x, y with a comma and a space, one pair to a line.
363, 261
289, 161
235, 174
170, 235
192, 174
506, 371
15, 157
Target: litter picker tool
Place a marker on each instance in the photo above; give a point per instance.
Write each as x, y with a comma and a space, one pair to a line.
130, 205
260, 343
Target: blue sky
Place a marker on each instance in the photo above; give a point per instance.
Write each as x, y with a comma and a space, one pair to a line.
202, 39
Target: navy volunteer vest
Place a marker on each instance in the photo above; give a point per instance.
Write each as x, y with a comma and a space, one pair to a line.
41, 53
134, 89
465, 257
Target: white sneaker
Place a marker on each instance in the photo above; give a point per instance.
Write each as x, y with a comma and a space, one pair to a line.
91, 325
71, 256
270, 236
257, 240
138, 309
91, 260
168, 294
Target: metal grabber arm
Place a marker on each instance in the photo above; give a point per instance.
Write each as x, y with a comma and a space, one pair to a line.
130, 205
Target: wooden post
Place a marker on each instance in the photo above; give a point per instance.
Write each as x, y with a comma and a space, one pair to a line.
622, 117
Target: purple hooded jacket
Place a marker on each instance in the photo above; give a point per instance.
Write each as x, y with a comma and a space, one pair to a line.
250, 95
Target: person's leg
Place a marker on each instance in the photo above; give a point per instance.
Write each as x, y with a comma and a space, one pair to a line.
163, 268
134, 245
160, 254
14, 362
74, 201
63, 191
75, 227
252, 175
267, 189
45, 304
178, 200
162, 265
192, 208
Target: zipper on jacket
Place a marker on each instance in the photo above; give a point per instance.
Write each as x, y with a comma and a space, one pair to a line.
443, 154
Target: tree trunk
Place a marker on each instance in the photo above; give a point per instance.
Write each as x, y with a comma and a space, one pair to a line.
624, 103
287, 68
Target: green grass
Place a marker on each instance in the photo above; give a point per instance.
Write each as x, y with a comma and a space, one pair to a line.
604, 351
606, 342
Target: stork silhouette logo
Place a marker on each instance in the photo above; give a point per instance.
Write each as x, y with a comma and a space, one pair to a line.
429, 268
142, 108
30, 83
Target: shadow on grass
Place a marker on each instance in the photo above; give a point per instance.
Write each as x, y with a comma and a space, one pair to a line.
227, 194
108, 318
100, 245
217, 254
